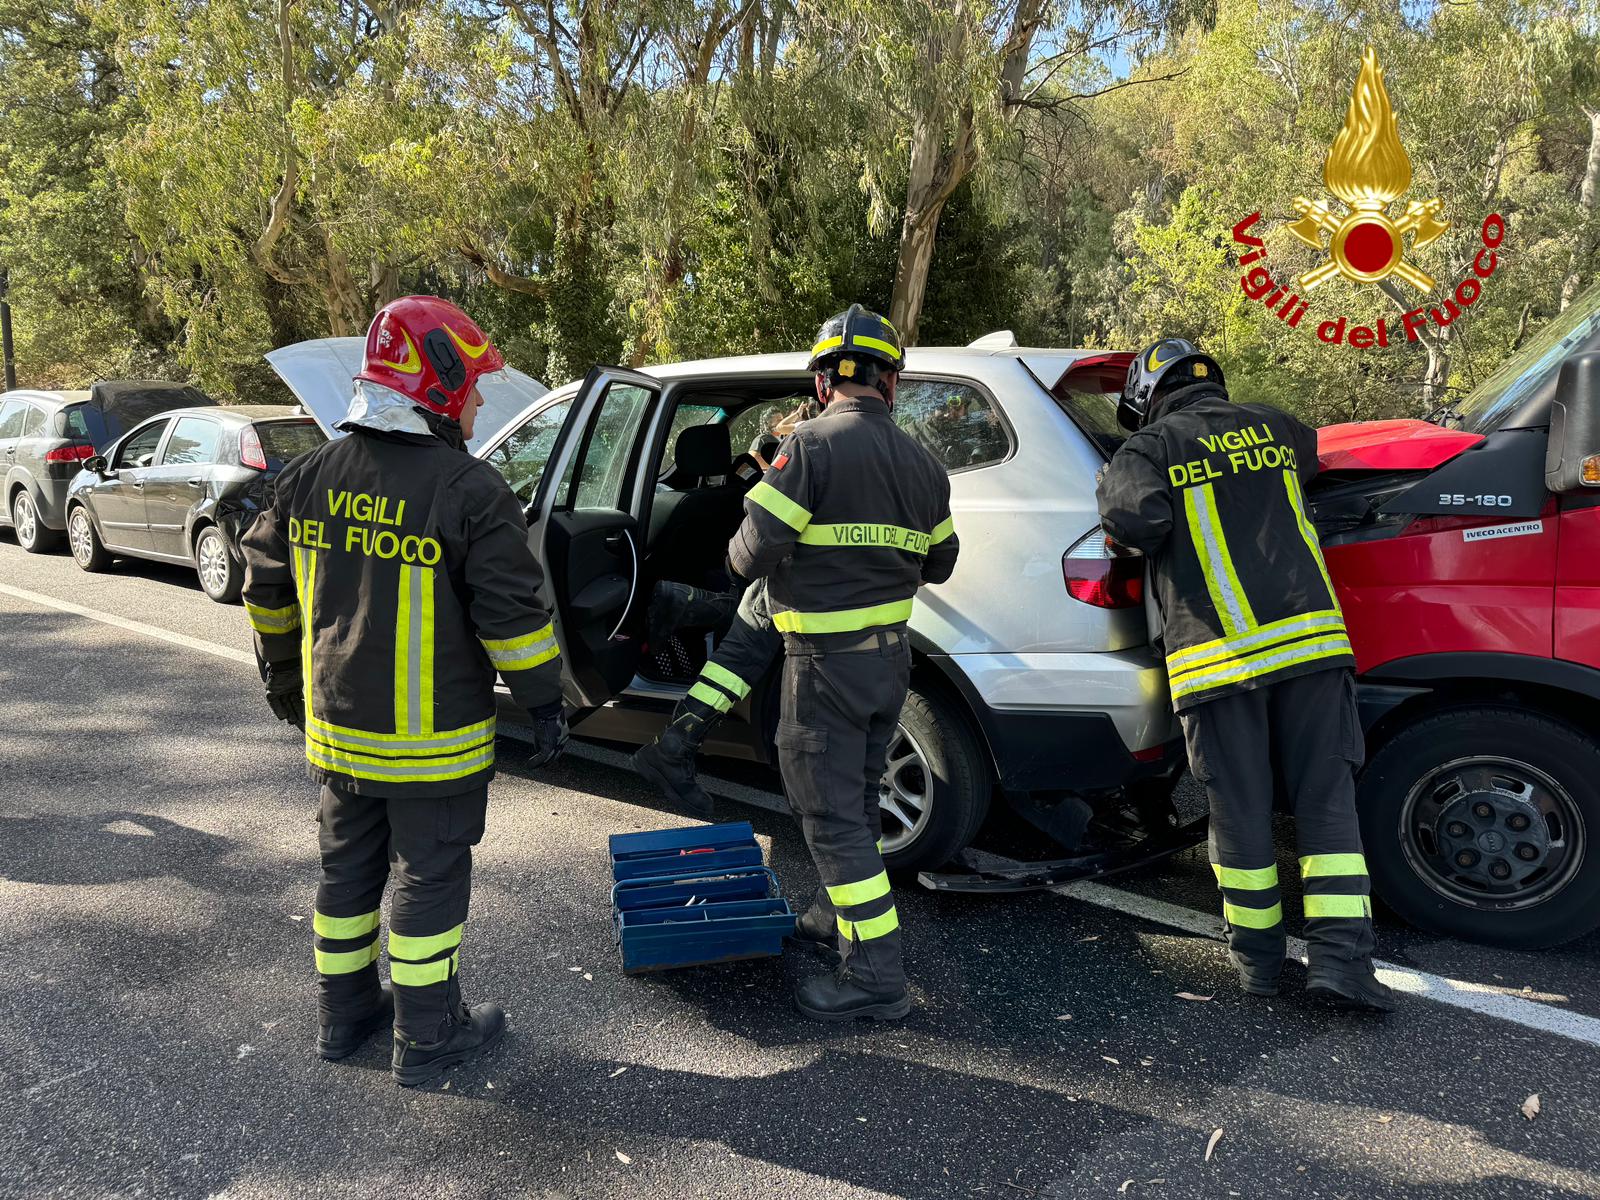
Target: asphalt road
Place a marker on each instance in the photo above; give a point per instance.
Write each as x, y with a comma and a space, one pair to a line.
157, 862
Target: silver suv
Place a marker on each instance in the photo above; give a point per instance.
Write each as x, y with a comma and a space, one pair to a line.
1034, 678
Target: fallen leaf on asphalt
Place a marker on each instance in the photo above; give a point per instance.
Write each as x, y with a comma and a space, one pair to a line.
617, 1072
1530, 1106
623, 1158
294, 917
574, 970
446, 1086
1385, 1119
1126, 1184
1093, 937
490, 1086
1216, 1136
1109, 1059
588, 977
1196, 999
1147, 1062
1064, 1017
863, 1120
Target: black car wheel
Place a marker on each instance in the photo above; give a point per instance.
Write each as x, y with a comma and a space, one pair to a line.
221, 575
1477, 823
32, 533
87, 549
934, 793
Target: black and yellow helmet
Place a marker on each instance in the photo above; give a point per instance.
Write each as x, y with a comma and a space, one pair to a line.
857, 346
1170, 363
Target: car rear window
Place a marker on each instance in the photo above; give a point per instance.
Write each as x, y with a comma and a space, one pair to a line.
72, 424
285, 440
1089, 391
953, 421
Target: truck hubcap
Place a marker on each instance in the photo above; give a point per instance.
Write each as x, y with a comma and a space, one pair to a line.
1492, 833
905, 792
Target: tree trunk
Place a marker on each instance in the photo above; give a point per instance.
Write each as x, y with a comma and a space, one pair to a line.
917, 237
1583, 252
347, 310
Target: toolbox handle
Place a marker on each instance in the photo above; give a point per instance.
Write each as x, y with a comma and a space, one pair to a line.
684, 877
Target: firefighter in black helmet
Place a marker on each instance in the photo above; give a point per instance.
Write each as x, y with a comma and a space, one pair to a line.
1257, 656
851, 519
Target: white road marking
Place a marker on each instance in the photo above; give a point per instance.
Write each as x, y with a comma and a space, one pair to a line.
1474, 997
1457, 993
105, 618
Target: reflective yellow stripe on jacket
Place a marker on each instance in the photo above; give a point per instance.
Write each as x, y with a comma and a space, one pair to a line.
858, 536
845, 620
273, 620
525, 652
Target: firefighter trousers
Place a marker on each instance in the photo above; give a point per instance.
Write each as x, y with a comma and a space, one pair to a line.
842, 696
1304, 731
426, 845
741, 658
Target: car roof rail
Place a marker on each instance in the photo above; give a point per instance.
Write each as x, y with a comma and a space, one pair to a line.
1000, 339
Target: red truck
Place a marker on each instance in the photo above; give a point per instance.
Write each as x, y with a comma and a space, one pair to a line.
1466, 554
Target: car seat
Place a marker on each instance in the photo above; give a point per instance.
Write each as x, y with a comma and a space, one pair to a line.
690, 529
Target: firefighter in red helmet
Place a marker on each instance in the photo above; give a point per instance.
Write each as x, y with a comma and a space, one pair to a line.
388, 584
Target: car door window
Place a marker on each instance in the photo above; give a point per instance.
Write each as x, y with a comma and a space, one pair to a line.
955, 422
522, 457
601, 472
33, 422
140, 448
11, 414
193, 440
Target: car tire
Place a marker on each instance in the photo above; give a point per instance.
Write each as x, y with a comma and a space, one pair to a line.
88, 551
933, 744
32, 533
1455, 796
221, 575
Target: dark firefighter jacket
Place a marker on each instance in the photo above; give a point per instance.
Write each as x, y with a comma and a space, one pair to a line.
1211, 492
396, 566
851, 519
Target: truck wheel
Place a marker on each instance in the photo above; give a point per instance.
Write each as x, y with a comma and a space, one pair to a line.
32, 533
87, 549
934, 793
221, 576
1476, 823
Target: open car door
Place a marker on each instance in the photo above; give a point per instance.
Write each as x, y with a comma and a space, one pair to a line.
319, 373
583, 526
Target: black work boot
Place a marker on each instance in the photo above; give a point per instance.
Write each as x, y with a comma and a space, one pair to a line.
463, 1035
1254, 978
668, 762
1355, 989
819, 924
840, 996
675, 606
343, 1038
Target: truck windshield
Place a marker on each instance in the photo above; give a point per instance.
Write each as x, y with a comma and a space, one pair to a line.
1532, 369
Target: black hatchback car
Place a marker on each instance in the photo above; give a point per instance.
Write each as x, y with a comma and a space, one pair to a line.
183, 487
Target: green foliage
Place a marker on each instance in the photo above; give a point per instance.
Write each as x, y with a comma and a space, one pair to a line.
614, 181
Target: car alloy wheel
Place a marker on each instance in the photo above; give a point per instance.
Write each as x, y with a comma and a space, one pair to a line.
25, 519
80, 534
905, 792
1491, 832
213, 565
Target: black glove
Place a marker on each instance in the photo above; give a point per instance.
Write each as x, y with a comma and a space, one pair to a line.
285, 691
549, 735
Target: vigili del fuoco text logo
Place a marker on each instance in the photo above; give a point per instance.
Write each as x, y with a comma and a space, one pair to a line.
1368, 170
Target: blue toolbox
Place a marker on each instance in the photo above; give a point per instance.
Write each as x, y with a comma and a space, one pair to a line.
688, 897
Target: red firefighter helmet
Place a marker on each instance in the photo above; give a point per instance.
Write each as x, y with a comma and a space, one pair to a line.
430, 351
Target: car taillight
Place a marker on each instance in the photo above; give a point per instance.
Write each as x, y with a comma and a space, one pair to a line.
69, 454
250, 449
1102, 573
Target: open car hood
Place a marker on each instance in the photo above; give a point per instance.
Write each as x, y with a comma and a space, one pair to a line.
319, 373
1390, 445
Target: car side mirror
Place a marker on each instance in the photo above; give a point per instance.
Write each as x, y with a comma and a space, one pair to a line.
95, 463
1572, 456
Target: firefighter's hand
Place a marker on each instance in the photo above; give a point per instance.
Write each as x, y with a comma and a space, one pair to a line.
549, 736
285, 691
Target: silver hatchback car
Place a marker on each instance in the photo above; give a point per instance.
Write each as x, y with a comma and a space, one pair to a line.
1034, 681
